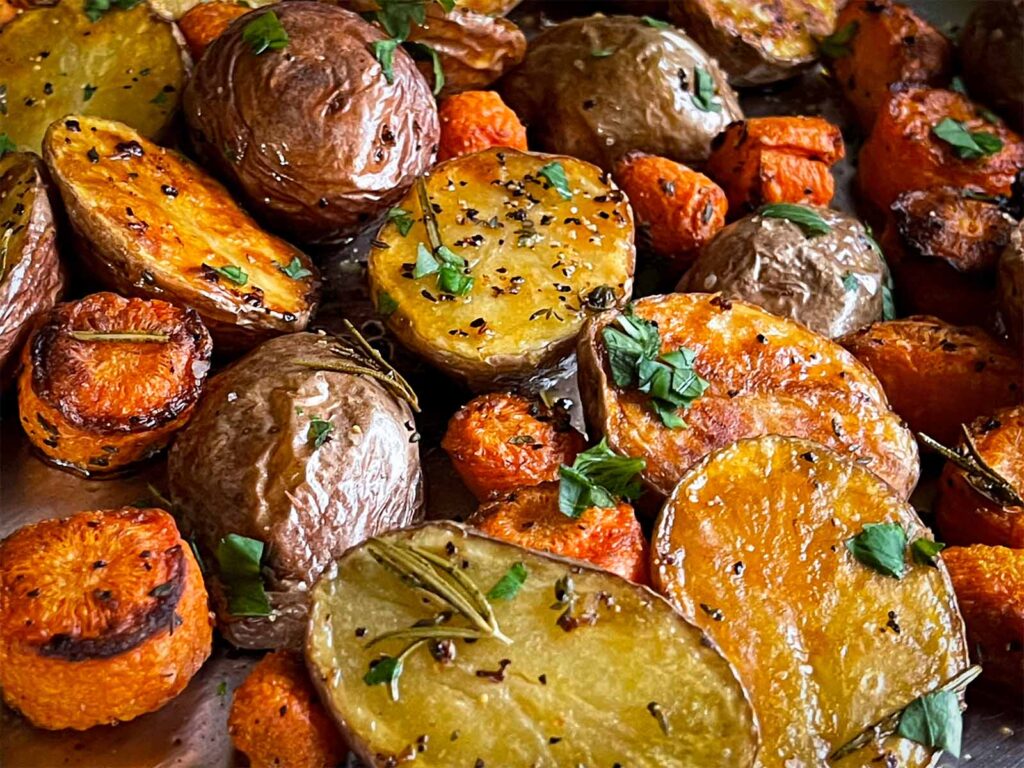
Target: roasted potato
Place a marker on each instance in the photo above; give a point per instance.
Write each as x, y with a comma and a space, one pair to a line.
938, 376
609, 538
605, 647
761, 41
832, 282
150, 223
904, 152
878, 43
570, 91
531, 240
473, 121
204, 23
943, 245
127, 65
292, 448
754, 547
277, 719
765, 375
989, 583
32, 276
103, 617
500, 441
965, 511
107, 381
316, 136
1011, 285
783, 159
992, 57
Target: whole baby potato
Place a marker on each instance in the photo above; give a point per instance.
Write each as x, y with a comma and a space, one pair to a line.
316, 136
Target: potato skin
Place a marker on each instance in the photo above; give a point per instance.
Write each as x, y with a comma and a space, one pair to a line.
963, 515
891, 44
757, 42
151, 223
902, 153
1011, 285
773, 264
487, 442
938, 376
277, 721
350, 143
245, 464
992, 57
96, 407
574, 104
989, 583
766, 374
33, 277
103, 617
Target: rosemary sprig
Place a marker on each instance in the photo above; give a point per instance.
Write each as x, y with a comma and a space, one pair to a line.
446, 584
357, 356
127, 336
886, 727
980, 475
429, 219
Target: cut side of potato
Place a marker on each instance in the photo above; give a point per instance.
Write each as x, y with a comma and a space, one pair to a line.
126, 65
753, 548
537, 255
152, 224
582, 668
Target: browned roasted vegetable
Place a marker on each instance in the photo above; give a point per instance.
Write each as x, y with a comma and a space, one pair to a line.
992, 56
938, 376
1011, 285
473, 121
107, 381
150, 222
206, 22
103, 617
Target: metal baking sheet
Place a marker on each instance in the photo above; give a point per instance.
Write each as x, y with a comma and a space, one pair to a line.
192, 729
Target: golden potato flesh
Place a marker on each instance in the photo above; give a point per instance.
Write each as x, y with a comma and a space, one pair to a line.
637, 686
535, 255
751, 547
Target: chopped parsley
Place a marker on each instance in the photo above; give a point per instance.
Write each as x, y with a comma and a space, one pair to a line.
265, 33
384, 53
881, 546
294, 270
968, 145
925, 551
704, 91
236, 275
598, 478
935, 721
421, 50
508, 586
386, 304
319, 432
7, 145
88, 91
94, 9
402, 218
238, 558
810, 221
555, 174
837, 45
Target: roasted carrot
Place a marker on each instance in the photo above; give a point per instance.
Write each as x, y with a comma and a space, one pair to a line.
677, 209
776, 160
501, 441
475, 120
103, 617
204, 23
609, 538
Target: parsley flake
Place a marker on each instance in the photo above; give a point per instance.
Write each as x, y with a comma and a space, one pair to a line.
386, 304
650, 21
968, 145
837, 45
319, 432
881, 546
402, 218
384, 53
555, 174
508, 586
597, 478
294, 270
7, 145
925, 551
935, 721
236, 275
238, 558
94, 9
88, 91
704, 91
809, 220
265, 33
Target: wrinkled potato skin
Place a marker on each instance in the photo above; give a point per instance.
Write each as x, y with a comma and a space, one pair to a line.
709, 723
1011, 286
151, 223
992, 56
313, 137
773, 264
757, 531
573, 102
963, 515
757, 41
33, 277
902, 153
892, 44
989, 583
938, 376
262, 477
795, 383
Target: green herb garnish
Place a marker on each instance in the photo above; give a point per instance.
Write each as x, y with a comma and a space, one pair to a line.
236, 275
294, 270
265, 33
508, 586
222, 688
386, 304
7, 145
385, 670
238, 558
881, 546
384, 53
403, 220
925, 551
88, 91
160, 98
602, 53
421, 50
957, 84
94, 9
809, 220
850, 282
704, 91
656, 23
555, 174
968, 145
452, 270
935, 721
319, 432
426, 264
598, 478
837, 44
398, 16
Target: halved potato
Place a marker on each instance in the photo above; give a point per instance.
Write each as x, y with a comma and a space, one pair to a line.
760, 41
535, 255
752, 547
585, 668
151, 223
766, 374
31, 274
126, 65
